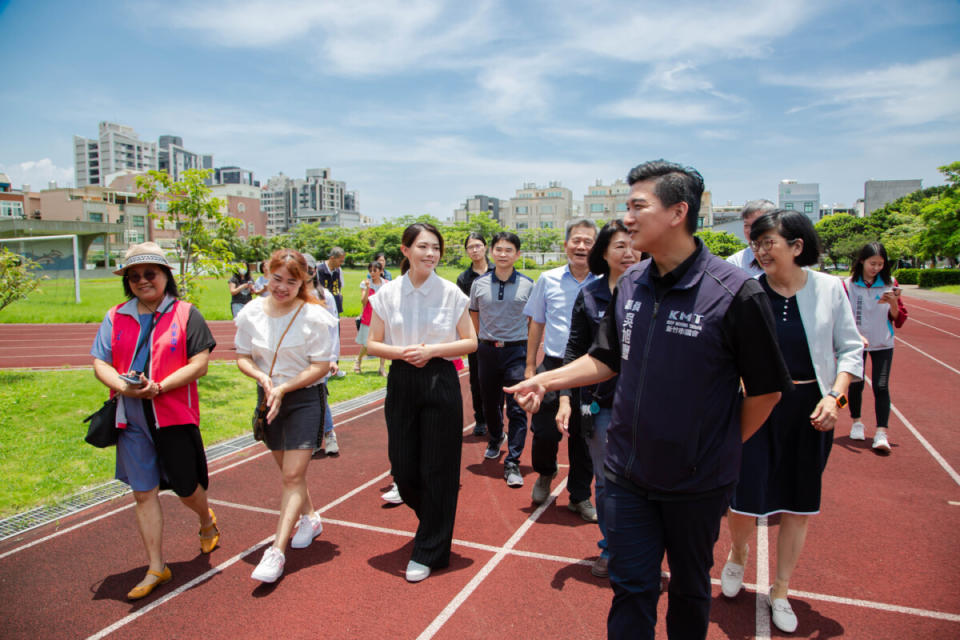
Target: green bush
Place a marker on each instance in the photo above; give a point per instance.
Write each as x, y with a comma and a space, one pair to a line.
907, 276
930, 278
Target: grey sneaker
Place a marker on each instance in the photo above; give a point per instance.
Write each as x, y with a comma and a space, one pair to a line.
493, 451
330, 446
541, 488
585, 509
480, 429
511, 473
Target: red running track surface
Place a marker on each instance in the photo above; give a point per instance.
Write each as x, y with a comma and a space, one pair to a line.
880, 561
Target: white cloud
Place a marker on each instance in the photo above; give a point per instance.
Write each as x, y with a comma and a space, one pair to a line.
686, 30
37, 173
364, 37
899, 95
677, 112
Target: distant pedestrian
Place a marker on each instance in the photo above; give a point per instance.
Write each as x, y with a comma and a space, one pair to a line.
241, 289
381, 257
745, 259
369, 286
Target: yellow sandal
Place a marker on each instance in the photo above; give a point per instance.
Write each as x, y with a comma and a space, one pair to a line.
144, 590
209, 543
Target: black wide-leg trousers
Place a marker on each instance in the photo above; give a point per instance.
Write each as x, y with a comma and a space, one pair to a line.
424, 414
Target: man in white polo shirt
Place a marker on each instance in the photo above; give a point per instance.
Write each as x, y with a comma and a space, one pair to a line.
549, 309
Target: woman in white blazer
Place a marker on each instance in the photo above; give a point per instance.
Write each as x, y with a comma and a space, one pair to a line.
783, 462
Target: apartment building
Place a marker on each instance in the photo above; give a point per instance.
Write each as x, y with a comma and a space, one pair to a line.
478, 204
802, 197
877, 193
606, 202
173, 158
317, 198
242, 201
538, 207
117, 148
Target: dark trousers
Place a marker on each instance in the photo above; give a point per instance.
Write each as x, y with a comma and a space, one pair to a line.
639, 530
503, 367
475, 388
546, 441
881, 360
424, 415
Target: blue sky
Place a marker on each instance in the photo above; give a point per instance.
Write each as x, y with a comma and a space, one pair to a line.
418, 105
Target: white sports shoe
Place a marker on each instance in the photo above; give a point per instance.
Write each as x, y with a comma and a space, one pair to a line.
330, 446
880, 442
417, 572
393, 495
309, 528
856, 431
270, 567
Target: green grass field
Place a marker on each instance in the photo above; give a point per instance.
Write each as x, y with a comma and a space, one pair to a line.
54, 302
42, 453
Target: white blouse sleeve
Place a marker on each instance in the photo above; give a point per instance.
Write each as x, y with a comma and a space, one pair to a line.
243, 340
317, 327
847, 345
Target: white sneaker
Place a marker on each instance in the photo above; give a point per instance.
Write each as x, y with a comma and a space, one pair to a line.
782, 614
330, 446
731, 579
417, 572
880, 442
270, 567
341, 373
856, 431
308, 529
393, 495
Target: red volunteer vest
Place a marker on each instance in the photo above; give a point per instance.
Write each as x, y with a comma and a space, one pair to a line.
168, 353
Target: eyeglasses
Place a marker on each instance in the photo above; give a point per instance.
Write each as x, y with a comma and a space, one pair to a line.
476, 247
766, 244
147, 275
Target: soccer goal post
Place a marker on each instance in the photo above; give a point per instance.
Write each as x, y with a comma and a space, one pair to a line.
53, 254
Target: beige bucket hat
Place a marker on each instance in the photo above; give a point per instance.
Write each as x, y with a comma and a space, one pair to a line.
143, 253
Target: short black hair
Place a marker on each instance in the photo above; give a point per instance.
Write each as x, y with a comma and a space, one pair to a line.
598, 264
868, 251
674, 183
509, 236
792, 226
586, 223
474, 235
170, 290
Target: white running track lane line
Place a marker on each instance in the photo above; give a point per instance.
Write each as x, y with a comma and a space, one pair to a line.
940, 362
923, 441
953, 503
763, 579
935, 328
129, 506
945, 315
488, 568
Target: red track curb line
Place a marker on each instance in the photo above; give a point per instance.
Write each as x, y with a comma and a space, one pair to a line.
492, 563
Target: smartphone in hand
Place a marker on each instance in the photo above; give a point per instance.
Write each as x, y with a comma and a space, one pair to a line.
133, 377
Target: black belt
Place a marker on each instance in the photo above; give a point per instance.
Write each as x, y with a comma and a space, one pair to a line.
500, 344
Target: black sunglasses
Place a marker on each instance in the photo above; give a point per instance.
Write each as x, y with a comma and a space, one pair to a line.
134, 277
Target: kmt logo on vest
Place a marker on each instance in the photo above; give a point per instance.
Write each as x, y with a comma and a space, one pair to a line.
684, 324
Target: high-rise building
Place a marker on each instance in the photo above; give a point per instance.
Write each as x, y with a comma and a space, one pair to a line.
478, 204
173, 158
804, 198
536, 207
318, 198
877, 193
118, 148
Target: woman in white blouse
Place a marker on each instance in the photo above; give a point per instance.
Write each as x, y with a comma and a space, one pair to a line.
293, 391
420, 321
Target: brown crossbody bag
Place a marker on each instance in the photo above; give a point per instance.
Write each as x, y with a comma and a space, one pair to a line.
260, 413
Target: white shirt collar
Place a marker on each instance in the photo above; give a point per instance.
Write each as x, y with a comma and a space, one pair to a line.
431, 283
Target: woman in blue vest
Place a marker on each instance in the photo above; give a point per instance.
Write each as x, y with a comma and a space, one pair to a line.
782, 464
162, 346
611, 255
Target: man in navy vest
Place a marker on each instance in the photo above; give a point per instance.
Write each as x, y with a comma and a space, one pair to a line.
682, 330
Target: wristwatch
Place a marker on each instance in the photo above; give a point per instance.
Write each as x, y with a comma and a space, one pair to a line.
839, 397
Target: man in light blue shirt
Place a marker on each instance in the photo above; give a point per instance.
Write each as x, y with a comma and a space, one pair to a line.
549, 309
745, 258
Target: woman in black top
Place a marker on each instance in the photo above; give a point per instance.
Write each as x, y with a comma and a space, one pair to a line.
241, 289
476, 247
610, 256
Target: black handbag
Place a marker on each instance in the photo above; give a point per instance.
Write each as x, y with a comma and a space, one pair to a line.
260, 413
102, 431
